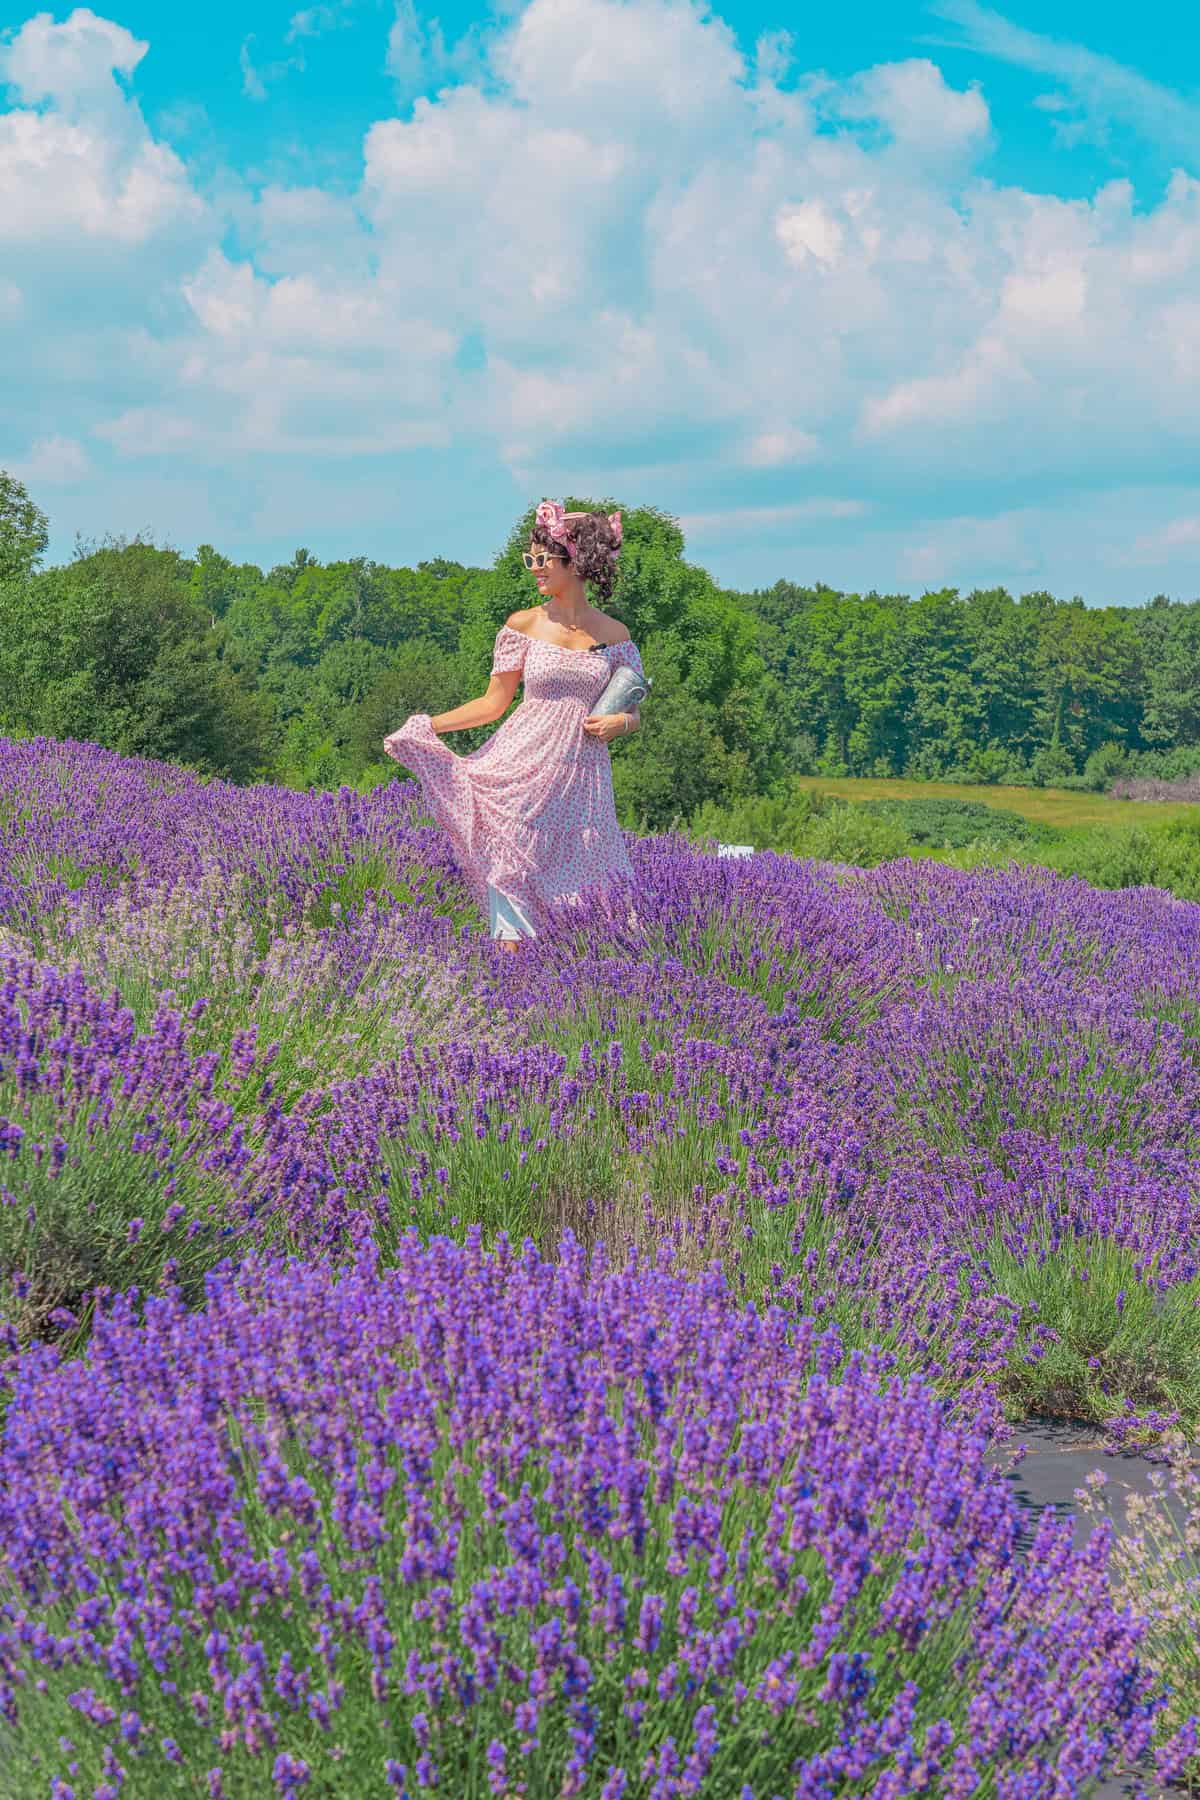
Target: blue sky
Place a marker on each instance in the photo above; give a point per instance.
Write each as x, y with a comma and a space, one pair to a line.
900, 297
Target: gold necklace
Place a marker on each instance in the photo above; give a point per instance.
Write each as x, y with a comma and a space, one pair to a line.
575, 630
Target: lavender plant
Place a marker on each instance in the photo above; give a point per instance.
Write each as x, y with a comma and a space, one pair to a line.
948, 1115
495, 1524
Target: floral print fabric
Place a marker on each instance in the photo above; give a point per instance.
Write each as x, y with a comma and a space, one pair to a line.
530, 813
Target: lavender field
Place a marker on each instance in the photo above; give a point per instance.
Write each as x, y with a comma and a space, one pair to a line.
572, 1373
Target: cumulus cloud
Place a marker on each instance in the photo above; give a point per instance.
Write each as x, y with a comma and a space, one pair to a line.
1162, 545
72, 64
53, 462
658, 67
84, 166
783, 444
1086, 333
616, 243
917, 108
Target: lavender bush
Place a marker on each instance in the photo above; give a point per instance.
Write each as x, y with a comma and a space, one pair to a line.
498, 1524
947, 1117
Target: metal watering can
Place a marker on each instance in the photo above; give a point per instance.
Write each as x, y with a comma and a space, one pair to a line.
626, 688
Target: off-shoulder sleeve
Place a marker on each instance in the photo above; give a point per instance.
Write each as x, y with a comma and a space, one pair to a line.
509, 651
627, 653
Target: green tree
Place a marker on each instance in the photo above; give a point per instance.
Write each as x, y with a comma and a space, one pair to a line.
877, 684
812, 665
217, 583
687, 762
1088, 668
1168, 636
1002, 638
113, 649
421, 678
24, 533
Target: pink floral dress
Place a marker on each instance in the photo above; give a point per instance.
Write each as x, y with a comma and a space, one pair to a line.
529, 814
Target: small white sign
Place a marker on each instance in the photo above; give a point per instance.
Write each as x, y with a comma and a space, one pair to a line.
735, 849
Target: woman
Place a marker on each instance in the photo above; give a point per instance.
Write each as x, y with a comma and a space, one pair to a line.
530, 814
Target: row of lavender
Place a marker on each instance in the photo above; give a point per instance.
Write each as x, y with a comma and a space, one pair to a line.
353, 1505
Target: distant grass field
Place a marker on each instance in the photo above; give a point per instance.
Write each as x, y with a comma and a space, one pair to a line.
1047, 806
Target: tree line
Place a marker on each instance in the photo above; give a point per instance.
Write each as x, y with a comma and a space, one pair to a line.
296, 673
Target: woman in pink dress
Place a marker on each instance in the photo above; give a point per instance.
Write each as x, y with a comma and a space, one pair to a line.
530, 814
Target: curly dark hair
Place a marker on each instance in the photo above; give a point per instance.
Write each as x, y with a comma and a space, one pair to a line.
594, 542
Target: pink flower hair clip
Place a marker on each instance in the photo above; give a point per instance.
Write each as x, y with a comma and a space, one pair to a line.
553, 517
557, 522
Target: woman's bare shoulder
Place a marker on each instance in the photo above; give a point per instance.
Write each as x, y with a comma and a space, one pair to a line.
622, 631
520, 621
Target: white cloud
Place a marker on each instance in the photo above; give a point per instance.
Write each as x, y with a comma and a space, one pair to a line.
773, 55
86, 167
235, 305
784, 444
655, 68
922, 113
71, 64
1101, 90
1163, 544
257, 80
1085, 336
656, 263
307, 231
981, 383
971, 547
1047, 299
253, 85
752, 519
809, 231
292, 367
64, 181
515, 255
419, 59
53, 462
314, 21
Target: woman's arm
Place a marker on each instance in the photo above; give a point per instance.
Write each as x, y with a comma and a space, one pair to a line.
486, 710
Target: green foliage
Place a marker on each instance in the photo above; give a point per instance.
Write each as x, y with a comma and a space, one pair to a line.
1109, 856
297, 673
419, 677
1052, 766
23, 531
115, 650
981, 688
1164, 765
1115, 1341
779, 820
1130, 856
1170, 643
849, 834
686, 762
951, 824
1104, 765
801, 822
